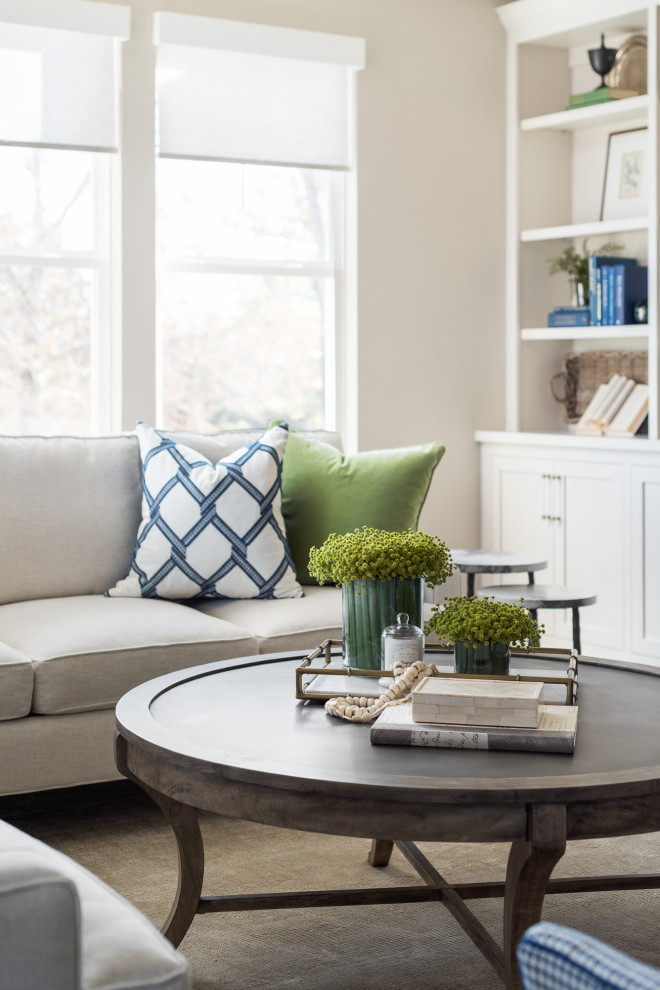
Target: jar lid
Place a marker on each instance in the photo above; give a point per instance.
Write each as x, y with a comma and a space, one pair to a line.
403, 627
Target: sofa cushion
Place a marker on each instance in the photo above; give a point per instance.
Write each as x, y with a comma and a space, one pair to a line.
211, 530
324, 491
299, 623
119, 946
16, 683
69, 512
70, 508
88, 651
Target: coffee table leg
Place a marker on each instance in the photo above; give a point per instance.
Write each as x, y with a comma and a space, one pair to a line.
380, 852
185, 826
530, 864
183, 821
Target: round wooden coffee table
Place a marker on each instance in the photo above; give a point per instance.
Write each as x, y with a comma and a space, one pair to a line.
231, 738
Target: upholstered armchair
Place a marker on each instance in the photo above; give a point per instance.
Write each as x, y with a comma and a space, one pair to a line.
61, 928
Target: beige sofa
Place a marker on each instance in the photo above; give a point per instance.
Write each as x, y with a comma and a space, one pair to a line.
69, 514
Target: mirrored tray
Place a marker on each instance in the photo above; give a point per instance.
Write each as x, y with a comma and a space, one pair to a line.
321, 675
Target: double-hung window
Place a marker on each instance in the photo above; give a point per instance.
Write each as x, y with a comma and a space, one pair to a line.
58, 138
255, 150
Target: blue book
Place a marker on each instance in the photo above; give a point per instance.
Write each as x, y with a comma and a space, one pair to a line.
610, 295
595, 262
630, 285
604, 275
578, 318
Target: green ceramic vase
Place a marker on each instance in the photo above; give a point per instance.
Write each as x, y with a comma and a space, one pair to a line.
481, 659
368, 607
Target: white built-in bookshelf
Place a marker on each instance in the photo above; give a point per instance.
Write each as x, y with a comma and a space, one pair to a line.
589, 502
556, 162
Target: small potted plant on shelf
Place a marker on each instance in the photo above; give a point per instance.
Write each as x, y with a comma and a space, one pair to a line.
576, 266
483, 631
381, 574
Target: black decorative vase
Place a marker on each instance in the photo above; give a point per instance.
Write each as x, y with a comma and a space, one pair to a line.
602, 60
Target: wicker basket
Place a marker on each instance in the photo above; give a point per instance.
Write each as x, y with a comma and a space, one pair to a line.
584, 372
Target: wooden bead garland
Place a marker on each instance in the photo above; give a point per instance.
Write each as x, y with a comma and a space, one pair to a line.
368, 709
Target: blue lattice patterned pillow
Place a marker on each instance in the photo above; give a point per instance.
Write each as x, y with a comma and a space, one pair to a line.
210, 530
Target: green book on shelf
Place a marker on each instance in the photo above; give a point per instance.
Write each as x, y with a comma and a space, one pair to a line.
602, 95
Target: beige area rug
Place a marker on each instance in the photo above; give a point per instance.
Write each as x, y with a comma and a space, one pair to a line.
115, 831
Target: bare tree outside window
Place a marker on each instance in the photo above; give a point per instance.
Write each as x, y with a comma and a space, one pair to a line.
49, 263
246, 297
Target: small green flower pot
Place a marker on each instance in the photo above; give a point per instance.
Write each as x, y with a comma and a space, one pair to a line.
481, 659
368, 607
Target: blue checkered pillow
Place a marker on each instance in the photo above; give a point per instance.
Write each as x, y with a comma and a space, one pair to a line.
210, 530
551, 957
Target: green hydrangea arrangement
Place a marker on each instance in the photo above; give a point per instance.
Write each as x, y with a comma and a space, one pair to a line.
484, 620
375, 554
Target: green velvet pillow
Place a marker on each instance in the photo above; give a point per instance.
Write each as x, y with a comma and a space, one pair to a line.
324, 491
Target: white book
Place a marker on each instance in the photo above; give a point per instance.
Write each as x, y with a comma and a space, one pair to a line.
632, 413
582, 426
615, 386
605, 398
617, 402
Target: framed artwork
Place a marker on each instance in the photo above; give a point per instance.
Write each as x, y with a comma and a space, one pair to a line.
625, 190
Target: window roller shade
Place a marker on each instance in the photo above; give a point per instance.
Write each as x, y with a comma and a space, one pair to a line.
223, 104
59, 85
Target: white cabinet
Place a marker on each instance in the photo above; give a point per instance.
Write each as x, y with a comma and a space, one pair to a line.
594, 511
571, 510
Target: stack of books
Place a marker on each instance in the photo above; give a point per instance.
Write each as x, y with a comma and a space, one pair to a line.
569, 316
615, 285
618, 409
604, 94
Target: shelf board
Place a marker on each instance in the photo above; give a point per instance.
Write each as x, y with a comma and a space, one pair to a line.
603, 113
593, 229
633, 331
570, 23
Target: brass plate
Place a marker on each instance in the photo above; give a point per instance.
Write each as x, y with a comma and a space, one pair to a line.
629, 69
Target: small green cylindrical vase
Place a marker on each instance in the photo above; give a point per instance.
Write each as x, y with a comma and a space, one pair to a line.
484, 658
370, 606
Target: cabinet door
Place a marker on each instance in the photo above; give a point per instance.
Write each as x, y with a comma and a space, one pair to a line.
518, 499
592, 554
646, 561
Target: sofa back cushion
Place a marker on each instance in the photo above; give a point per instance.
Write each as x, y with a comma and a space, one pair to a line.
70, 508
69, 512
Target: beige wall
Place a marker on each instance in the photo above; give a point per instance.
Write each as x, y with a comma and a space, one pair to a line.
430, 223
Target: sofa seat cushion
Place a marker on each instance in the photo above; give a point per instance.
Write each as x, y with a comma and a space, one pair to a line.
16, 683
88, 651
119, 947
291, 624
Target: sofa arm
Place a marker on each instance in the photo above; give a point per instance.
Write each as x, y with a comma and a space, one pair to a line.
39, 925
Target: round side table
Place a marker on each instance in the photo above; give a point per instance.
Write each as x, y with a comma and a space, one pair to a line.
473, 562
539, 596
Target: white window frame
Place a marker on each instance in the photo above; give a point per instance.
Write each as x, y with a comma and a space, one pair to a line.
142, 398
333, 268
109, 20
